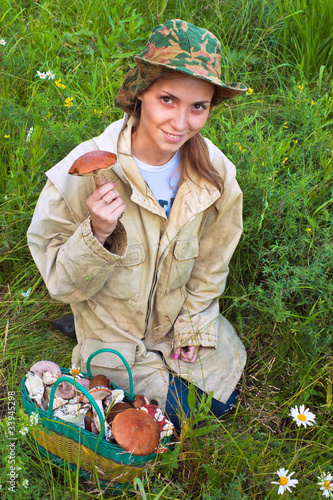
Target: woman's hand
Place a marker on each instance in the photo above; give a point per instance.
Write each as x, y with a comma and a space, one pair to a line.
105, 208
188, 354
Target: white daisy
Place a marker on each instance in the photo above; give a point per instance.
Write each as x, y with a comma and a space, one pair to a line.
326, 485
2, 42
50, 75
285, 482
75, 371
302, 416
41, 75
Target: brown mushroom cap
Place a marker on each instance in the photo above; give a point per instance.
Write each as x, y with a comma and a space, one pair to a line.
136, 432
117, 408
92, 163
140, 400
100, 381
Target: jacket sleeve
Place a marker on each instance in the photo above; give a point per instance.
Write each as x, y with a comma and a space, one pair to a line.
198, 322
72, 262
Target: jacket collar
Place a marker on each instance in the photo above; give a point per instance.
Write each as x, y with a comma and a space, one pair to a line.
194, 195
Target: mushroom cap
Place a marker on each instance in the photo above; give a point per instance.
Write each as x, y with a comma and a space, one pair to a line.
140, 400
100, 392
93, 162
65, 390
136, 432
85, 382
46, 366
117, 408
99, 381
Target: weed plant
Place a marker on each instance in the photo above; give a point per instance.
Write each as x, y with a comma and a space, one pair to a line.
279, 294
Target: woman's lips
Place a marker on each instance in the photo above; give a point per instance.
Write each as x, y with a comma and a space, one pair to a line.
173, 137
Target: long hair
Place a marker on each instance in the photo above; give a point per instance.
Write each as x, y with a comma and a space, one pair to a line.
194, 156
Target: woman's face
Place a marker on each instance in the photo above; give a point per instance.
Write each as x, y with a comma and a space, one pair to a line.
173, 109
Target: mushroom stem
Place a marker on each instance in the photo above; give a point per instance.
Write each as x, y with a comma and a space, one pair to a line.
100, 180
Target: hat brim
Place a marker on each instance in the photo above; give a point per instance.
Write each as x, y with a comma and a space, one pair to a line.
142, 75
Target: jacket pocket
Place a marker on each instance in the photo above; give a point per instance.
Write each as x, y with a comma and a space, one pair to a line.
124, 281
183, 258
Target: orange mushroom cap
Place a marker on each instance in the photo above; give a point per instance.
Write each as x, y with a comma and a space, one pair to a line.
136, 432
93, 162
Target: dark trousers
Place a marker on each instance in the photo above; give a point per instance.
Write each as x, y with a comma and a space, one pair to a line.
177, 399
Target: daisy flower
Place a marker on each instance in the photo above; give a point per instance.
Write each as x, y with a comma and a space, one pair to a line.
50, 75
41, 75
285, 482
2, 42
326, 485
75, 371
302, 416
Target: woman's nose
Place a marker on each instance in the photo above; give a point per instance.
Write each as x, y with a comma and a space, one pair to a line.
179, 120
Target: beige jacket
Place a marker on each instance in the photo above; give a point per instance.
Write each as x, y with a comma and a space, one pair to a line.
155, 285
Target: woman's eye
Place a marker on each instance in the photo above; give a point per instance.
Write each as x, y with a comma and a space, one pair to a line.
166, 99
199, 107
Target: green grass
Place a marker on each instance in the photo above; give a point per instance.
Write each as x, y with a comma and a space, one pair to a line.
279, 294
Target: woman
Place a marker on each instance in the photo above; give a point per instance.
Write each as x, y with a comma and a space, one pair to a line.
148, 286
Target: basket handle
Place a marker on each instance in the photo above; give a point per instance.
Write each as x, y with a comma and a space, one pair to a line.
84, 391
131, 393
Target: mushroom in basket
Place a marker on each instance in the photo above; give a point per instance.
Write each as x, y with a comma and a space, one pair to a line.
41, 374
136, 432
99, 388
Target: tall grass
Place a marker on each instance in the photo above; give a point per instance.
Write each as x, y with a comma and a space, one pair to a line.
307, 35
279, 294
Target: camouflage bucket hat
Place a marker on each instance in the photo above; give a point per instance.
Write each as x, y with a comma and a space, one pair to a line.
177, 46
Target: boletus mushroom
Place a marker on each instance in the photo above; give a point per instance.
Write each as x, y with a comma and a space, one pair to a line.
136, 432
94, 163
140, 400
117, 408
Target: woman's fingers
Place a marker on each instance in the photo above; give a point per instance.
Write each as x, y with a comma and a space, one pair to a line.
187, 354
105, 208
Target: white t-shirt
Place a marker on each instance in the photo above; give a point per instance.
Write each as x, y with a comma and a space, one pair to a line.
160, 179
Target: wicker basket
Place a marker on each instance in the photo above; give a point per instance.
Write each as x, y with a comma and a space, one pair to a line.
68, 444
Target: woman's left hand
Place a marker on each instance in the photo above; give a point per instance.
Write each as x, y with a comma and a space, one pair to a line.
188, 354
